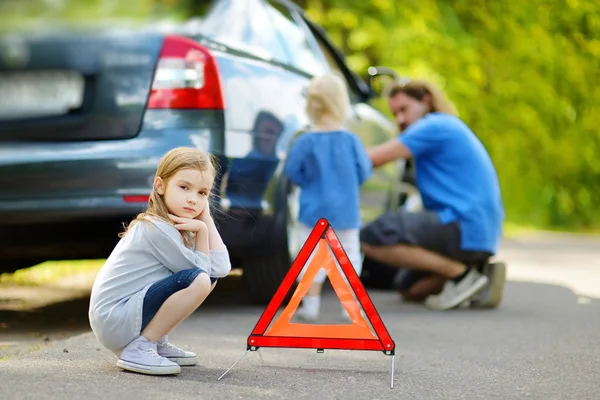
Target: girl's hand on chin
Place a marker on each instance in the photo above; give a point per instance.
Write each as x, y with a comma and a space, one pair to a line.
204, 214
187, 224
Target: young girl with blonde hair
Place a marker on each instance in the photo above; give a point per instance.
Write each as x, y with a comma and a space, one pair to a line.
329, 164
165, 265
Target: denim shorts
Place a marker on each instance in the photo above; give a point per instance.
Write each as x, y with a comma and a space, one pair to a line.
161, 290
423, 229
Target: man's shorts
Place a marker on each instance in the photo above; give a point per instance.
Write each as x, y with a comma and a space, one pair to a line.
423, 229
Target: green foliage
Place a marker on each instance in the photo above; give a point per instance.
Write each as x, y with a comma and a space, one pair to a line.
522, 74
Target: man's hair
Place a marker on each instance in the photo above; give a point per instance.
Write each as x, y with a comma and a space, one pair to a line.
417, 89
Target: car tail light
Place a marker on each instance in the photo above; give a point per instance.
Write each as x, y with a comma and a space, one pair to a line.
186, 77
136, 198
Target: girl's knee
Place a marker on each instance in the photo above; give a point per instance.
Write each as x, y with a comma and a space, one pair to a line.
201, 283
186, 277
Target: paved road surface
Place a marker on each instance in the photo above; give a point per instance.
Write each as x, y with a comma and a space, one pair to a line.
543, 343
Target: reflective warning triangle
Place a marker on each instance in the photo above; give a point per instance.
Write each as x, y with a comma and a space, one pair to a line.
355, 336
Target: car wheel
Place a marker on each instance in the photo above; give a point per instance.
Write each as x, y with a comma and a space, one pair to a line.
263, 274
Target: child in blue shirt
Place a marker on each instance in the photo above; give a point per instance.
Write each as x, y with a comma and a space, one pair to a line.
329, 164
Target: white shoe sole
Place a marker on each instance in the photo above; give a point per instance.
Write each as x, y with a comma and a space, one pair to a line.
184, 361
474, 289
148, 369
491, 296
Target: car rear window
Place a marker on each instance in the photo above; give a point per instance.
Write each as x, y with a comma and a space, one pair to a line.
259, 28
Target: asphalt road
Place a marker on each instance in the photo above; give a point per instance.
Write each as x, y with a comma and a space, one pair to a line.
542, 343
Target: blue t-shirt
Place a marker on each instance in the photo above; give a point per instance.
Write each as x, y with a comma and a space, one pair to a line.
456, 178
329, 167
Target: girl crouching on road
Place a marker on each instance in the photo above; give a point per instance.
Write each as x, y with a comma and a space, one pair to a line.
165, 265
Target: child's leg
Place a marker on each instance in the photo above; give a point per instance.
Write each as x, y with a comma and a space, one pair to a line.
177, 307
350, 241
315, 289
311, 303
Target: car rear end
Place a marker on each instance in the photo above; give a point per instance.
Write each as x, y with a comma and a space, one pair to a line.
84, 120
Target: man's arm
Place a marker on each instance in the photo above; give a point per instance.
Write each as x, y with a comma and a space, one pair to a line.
391, 150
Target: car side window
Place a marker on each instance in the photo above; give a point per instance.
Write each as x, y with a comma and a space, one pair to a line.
293, 36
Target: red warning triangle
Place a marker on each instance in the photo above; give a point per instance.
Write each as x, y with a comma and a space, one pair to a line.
356, 336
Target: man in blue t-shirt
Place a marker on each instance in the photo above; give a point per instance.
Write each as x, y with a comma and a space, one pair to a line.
443, 250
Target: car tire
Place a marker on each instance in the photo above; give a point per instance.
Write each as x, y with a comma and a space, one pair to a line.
264, 273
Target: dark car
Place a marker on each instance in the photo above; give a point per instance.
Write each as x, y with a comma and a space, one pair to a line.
85, 118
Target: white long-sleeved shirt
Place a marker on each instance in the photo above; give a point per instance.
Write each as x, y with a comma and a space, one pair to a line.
150, 251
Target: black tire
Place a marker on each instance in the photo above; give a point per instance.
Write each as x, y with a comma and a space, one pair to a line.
264, 273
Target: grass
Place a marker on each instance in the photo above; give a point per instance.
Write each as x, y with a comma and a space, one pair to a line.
49, 272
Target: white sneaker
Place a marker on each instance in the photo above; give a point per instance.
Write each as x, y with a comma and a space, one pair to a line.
454, 294
307, 315
175, 354
141, 356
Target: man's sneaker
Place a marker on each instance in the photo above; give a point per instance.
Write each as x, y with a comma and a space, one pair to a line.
141, 356
175, 354
307, 315
456, 293
492, 293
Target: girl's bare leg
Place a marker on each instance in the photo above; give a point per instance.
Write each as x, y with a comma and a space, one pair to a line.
172, 329
177, 308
